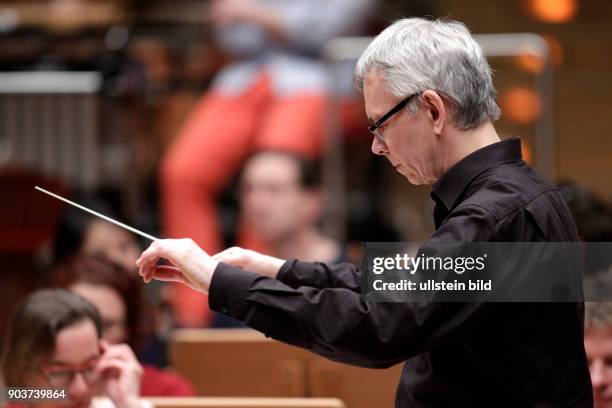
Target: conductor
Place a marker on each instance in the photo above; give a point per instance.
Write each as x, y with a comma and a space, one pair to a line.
428, 93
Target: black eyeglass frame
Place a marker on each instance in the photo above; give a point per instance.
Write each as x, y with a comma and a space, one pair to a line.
374, 128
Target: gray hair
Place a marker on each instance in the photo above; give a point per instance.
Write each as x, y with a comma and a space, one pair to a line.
598, 315
415, 54
598, 288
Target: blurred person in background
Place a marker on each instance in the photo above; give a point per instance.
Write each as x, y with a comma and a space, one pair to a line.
593, 217
270, 96
281, 198
81, 234
598, 345
118, 296
55, 341
592, 214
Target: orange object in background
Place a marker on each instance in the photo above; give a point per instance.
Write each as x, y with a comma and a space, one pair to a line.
520, 104
553, 11
534, 64
531, 63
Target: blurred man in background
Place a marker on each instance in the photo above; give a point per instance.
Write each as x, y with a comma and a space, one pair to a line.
281, 198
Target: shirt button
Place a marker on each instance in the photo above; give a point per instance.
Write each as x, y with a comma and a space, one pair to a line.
224, 310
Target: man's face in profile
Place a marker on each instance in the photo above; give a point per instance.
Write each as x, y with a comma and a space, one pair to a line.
598, 345
409, 142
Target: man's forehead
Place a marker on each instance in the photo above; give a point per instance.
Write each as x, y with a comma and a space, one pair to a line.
376, 96
373, 83
598, 341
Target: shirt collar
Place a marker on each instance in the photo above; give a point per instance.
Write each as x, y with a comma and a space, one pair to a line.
449, 187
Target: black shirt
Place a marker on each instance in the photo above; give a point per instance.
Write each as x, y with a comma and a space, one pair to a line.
458, 354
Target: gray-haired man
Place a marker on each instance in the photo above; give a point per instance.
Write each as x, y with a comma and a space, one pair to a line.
429, 95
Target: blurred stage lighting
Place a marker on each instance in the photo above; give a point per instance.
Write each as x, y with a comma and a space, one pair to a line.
534, 64
520, 104
553, 11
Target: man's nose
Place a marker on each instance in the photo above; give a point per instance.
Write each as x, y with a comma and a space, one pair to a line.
378, 147
597, 374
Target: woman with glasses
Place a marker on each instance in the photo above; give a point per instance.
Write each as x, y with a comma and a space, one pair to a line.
118, 296
55, 343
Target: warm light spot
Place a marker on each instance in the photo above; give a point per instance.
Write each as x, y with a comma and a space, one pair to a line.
520, 104
530, 60
531, 63
553, 11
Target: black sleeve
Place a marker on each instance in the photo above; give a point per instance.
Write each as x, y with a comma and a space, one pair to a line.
336, 322
296, 273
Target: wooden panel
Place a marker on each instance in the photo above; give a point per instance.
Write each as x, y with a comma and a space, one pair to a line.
357, 387
246, 403
238, 362
242, 362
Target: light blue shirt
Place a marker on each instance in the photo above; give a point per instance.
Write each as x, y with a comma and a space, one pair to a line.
294, 66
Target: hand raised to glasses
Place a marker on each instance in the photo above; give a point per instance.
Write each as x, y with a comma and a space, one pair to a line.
121, 374
193, 267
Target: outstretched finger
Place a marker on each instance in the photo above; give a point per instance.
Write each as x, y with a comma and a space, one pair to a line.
145, 270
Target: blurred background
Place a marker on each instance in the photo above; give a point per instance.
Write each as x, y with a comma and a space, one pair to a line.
149, 111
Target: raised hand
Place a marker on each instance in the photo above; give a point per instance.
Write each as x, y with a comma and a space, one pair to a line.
190, 264
121, 374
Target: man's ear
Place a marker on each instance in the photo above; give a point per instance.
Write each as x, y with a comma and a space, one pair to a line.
436, 111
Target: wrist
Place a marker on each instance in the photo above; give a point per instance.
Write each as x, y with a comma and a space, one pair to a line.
207, 269
277, 265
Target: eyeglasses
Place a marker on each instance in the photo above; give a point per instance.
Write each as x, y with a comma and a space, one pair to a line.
374, 129
62, 377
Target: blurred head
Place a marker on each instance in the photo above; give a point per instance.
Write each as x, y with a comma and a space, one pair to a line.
598, 346
593, 217
54, 342
116, 293
592, 214
444, 68
79, 233
280, 194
